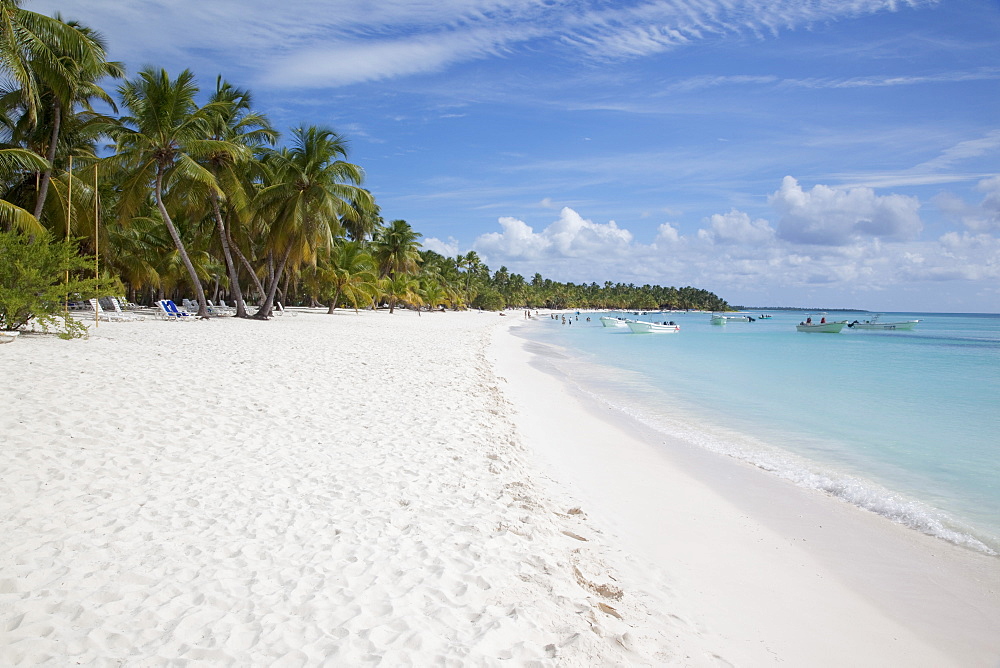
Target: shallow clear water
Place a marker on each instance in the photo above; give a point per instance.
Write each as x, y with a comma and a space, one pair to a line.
906, 424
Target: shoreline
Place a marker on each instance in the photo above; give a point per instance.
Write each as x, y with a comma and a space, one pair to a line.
777, 551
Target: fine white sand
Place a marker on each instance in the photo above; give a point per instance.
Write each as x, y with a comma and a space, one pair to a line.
363, 489
315, 490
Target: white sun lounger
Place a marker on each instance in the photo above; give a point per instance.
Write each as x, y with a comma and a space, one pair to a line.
104, 315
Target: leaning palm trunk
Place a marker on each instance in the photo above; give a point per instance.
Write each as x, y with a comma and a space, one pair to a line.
266, 306
333, 302
50, 155
192, 274
246, 265
234, 279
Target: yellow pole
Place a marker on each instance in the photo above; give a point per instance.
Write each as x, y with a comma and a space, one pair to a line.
69, 209
97, 244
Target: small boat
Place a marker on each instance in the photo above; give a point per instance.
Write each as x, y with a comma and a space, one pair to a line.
642, 327
8, 336
720, 319
608, 321
822, 326
877, 323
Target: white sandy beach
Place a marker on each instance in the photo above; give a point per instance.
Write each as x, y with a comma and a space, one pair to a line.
365, 489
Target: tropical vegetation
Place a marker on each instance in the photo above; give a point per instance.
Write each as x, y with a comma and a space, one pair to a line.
172, 191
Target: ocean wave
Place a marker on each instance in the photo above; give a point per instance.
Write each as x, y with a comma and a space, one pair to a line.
866, 494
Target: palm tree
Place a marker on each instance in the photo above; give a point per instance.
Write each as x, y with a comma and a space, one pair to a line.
401, 288
234, 122
13, 163
396, 249
351, 273
39, 52
307, 192
159, 142
433, 294
364, 225
78, 87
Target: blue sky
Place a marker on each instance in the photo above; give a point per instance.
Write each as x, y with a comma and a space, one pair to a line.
829, 153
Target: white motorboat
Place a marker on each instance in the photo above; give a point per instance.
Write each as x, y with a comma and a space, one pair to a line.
720, 319
642, 327
877, 323
609, 321
822, 326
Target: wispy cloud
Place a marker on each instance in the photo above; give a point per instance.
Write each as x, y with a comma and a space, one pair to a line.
356, 42
629, 31
973, 148
355, 62
885, 81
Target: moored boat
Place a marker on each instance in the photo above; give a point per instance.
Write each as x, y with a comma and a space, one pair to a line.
877, 323
720, 319
822, 326
609, 321
642, 327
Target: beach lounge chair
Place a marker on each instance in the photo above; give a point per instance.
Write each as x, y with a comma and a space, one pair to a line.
95, 304
119, 309
217, 309
8, 336
172, 312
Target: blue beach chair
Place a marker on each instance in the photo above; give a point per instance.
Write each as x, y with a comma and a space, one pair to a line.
171, 311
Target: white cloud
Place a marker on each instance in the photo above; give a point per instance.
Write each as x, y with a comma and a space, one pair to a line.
667, 235
656, 26
832, 217
447, 248
991, 204
356, 61
352, 42
518, 241
982, 217
567, 237
966, 150
736, 227
742, 260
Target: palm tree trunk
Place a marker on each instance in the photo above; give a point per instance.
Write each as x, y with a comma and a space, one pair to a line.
333, 302
234, 278
264, 312
246, 264
192, 274
50, 155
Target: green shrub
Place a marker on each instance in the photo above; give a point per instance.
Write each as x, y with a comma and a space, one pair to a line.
489, 299
33, 285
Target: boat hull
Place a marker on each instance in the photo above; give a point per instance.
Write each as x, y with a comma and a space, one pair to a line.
612, 322
639, 327
721, 319
822, 328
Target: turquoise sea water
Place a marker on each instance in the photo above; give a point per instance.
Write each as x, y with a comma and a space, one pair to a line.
905, 424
